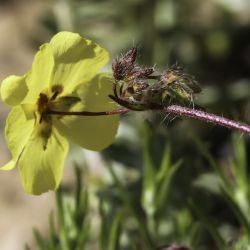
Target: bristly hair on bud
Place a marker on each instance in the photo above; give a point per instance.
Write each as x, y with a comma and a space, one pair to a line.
181, 86
131, 55
143, 73
177, 75
125, 68
122, 66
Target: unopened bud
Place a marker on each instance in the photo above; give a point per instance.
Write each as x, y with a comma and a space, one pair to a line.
143, 73
175, 75
123, 65
118, 69
130, 56
137, 86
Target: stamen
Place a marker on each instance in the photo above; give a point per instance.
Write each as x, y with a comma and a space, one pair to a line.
42, 105
56, 90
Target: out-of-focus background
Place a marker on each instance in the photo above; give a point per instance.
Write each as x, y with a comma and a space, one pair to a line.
210, 38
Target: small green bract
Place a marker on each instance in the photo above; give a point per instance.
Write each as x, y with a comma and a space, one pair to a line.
64, 77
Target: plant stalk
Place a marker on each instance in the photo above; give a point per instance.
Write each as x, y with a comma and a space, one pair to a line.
207, 117
172, 109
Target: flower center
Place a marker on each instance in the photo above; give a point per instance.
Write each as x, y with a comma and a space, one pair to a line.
45, 102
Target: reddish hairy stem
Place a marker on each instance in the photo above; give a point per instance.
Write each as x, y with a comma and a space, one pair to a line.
207, 117
173, 109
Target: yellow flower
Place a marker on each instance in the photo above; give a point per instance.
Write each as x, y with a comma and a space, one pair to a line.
64, 77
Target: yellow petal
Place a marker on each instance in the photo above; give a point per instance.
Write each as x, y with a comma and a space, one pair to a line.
76, 59
8, 166
94, 133
41, 166
13, 89
29, 110
41, 73
17, 132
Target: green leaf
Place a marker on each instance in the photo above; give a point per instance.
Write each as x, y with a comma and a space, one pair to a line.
209, 181
129, 204
114, 233
148, 190
165, 164
63, 235
163, 187
240, 161
243, 219
213, 163
208, 223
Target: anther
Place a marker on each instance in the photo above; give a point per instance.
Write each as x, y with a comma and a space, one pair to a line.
56, 90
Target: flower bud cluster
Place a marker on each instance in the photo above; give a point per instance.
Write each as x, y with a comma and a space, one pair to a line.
138, 89
125, 68
180, 84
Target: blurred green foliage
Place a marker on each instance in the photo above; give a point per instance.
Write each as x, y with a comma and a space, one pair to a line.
170, 180
146, 213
